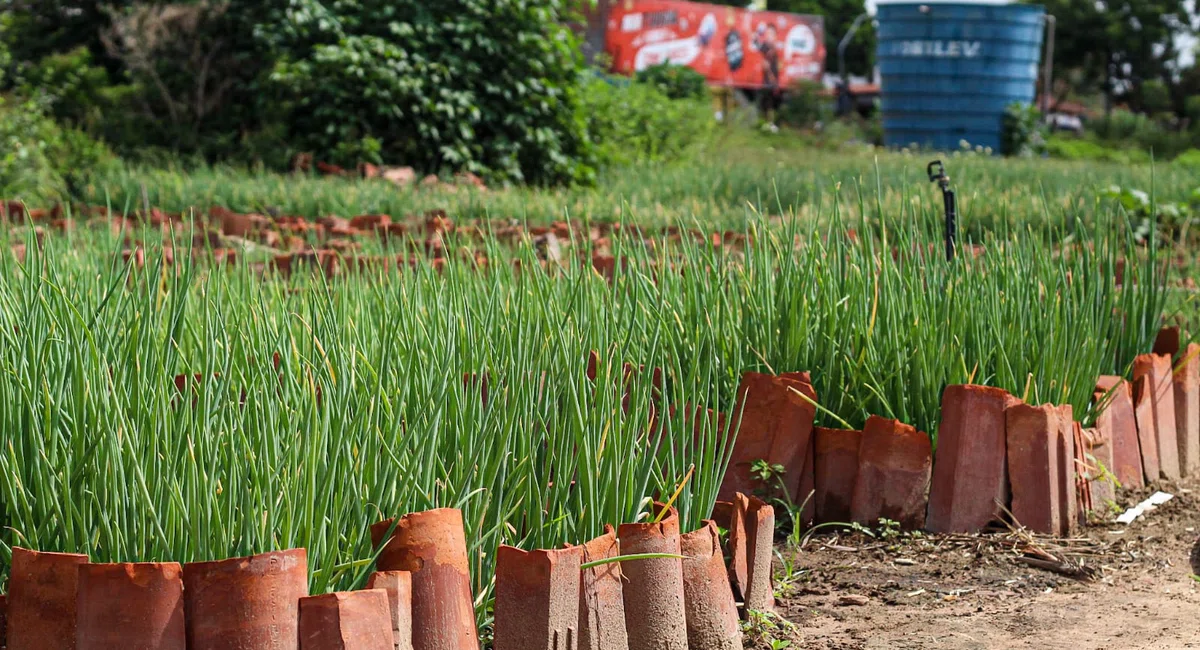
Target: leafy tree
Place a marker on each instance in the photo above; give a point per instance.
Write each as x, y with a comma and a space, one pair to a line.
33, 29
1117, 45
488, 86
1155, 97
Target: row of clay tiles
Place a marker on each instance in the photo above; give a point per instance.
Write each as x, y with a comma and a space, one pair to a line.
337, 251
431, 225
419, 598
995, 453
336, 254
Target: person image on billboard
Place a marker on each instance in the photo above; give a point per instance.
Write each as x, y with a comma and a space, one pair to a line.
766, 42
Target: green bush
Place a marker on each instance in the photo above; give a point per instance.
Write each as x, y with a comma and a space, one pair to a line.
1024, 132
630, 122
1191, 108
1076, 148
40, 161
1124, 129
1155, 96
675, 81
1189, 158
483, 85
803, 105
25, 170
76, 91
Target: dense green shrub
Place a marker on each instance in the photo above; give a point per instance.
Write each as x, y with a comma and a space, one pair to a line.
1155, 96
803, 105
143, 76
39, 160
75, 91
1069, 147
1189, 158
1191, 109
631, 121
1024, 132
25, 170
675, 81
1124, 129
483, 85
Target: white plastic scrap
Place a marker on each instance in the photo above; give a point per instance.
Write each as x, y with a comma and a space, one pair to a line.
1156, 499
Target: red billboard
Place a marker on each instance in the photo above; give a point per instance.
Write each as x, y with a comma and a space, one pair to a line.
729, 46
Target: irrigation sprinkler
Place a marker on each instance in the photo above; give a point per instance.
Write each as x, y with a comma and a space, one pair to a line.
937, 174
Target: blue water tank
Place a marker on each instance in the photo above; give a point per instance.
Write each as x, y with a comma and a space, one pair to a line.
948, 71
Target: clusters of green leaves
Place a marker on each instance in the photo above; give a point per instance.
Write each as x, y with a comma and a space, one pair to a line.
1075, 148
1024, 132
803, 106
484, 86
1125, 136
675, 81
1106, 46
489, 87
367, 414
712, 184
39, 160
636, 122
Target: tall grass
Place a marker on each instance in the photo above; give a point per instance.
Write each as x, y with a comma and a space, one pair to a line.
713, 188
368, 415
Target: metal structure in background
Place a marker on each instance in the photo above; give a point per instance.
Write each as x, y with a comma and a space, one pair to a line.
845, 42
1048, 70
949, 71
937, 174
844, 101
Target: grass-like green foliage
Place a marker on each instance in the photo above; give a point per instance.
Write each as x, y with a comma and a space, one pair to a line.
887, 323
713, 186
368, 415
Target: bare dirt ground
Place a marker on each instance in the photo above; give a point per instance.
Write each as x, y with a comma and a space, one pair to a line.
852, 592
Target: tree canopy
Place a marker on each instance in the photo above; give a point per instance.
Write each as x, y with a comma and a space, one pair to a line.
1117, 45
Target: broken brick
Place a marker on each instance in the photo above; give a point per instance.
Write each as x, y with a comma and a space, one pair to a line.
1156, 371
398, 585
776, 427
1167, 341
348, 620
711, 612
601, 603
1143, 411
537, 598
759, 523
1083, 484
1186, 382
892, 481
751, 538
653, 588
835, 467
42, 610
970, 477
1067, 491
1033, 465
1098, 464
1117, 423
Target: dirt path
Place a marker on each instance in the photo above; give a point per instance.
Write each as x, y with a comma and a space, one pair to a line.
968, 593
